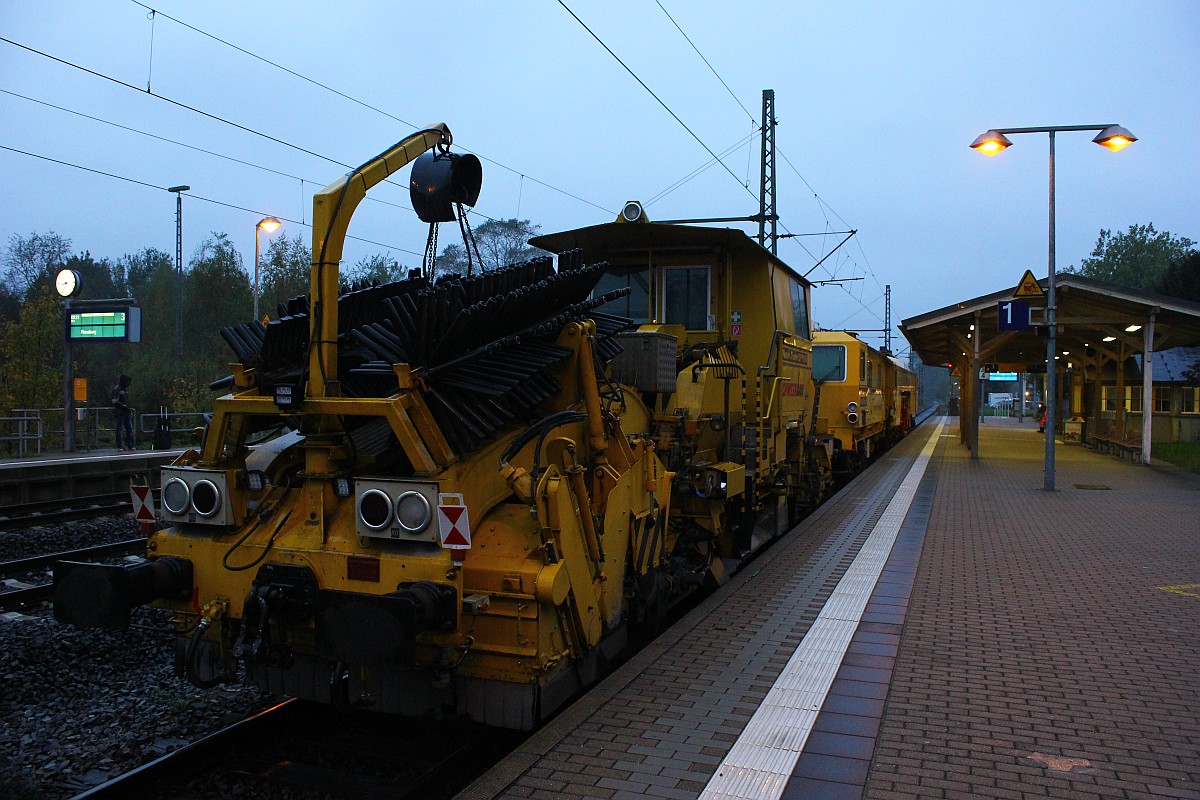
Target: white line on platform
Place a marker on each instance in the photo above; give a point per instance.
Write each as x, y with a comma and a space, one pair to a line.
762, 759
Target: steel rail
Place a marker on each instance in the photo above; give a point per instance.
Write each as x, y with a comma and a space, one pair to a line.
22, 598
64, 509
32, 595
175, 767
127, 547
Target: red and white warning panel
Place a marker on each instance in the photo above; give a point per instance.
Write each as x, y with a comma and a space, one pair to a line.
454, 524
143, 503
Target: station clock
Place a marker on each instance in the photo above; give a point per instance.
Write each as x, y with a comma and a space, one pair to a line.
66, 283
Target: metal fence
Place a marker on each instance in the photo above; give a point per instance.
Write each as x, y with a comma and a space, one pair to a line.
32, 431
21, 432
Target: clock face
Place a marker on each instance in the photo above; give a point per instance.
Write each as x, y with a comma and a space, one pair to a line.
67, 282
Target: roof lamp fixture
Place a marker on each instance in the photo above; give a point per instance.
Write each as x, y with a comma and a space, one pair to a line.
991, 142
1066, 352
1132, 328
1111, 137
1110, 338
1115, 138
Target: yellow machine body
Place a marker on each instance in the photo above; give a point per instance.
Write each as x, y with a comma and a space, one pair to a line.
468, 495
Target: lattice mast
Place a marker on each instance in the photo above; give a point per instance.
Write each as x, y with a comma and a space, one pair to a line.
766, 184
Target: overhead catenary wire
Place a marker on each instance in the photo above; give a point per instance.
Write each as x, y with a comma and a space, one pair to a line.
209, 115
365, 104
222, 156
191, 195
666, 107
821, 204
708, 64
699, 170
173, 102
186, 145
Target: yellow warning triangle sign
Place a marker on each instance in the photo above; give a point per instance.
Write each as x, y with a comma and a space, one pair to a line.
1028, 286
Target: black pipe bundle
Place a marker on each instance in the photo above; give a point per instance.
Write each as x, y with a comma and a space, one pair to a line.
482, 346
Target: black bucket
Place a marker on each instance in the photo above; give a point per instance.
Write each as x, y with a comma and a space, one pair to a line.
439, 180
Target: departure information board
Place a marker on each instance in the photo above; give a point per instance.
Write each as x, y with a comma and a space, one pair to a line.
123, 324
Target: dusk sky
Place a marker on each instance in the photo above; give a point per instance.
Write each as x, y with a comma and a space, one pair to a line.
876, 104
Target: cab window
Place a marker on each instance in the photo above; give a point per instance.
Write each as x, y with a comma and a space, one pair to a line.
634, 305
800, 311
685, 297
829, 363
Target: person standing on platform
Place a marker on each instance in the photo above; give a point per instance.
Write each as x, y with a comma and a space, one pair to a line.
123, 414
1041, 417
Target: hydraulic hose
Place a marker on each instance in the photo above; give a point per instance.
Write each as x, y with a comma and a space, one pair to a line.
211, 612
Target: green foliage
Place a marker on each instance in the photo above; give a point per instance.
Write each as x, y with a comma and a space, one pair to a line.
500, 241
1181, 454
150, 278
10, 304
1182, 278
379, 267
1137, 259
215, 291
96, 277
286, 269
31, 260
31, 354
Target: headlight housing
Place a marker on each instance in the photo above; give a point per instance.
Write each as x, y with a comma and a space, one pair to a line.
399, 510
202, 496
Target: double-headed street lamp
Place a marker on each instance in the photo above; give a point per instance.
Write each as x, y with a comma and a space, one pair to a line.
991, 142
270, 225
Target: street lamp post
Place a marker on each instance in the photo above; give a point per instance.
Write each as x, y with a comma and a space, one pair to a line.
991, 142
179, 266
270, 225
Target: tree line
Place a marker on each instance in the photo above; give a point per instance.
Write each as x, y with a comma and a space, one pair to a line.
215, 290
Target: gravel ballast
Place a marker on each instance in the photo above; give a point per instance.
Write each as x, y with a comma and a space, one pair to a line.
78, 707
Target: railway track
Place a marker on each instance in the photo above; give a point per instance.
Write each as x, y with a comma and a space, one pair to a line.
26, 596
321, 753
51, 512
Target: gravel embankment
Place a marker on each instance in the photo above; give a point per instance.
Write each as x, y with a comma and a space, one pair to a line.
78, 707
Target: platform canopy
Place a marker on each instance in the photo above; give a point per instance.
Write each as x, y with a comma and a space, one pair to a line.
1099, 326
1089, 311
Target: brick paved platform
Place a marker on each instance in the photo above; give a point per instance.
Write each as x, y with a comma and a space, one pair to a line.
1019, 644
1052, 641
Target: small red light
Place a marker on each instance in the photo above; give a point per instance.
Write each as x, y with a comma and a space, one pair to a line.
362, 568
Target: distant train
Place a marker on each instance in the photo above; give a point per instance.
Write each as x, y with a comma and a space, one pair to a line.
469, 494
867, 397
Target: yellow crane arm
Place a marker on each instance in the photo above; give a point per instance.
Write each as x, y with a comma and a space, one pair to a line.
333, 207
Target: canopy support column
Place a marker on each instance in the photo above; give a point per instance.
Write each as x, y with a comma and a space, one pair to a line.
1147, 387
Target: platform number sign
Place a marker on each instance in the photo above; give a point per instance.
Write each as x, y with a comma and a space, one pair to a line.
1012, 315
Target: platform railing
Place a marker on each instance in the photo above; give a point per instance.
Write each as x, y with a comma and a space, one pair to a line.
32, 431
21, 431
178, 422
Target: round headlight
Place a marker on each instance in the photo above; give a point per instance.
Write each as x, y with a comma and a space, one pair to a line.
375, 509
633, 211
206, 498
175, 496
852, 417
851, 406
413, 511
